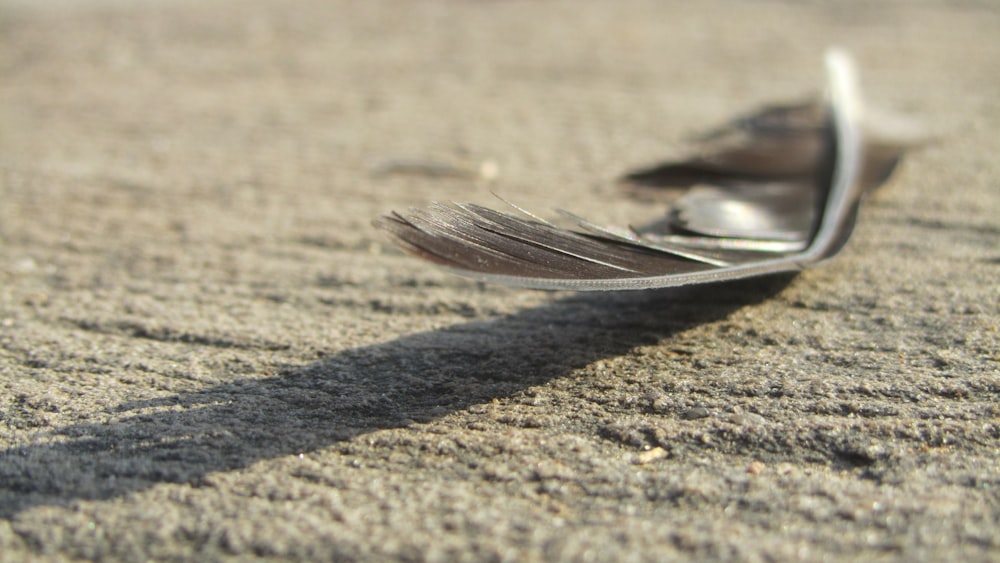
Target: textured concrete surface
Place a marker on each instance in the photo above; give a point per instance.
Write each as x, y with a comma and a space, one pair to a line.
207, 352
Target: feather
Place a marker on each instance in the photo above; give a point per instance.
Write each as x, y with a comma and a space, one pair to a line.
774, 191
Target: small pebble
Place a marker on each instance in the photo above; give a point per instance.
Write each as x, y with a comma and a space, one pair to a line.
747, 419
695, 413
649, 456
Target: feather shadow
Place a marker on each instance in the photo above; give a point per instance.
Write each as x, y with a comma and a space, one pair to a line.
185, 437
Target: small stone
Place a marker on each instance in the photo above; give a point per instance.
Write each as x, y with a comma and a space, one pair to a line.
649, 456
695, 413
489, 170
747, 419
24, 266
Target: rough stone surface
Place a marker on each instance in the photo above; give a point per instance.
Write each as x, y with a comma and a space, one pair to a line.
207, 353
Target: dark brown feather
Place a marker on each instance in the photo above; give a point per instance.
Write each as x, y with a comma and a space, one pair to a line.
773, 191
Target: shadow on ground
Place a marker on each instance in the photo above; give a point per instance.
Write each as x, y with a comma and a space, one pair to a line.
306, 407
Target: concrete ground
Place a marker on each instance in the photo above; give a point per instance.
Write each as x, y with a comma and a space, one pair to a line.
207, 352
